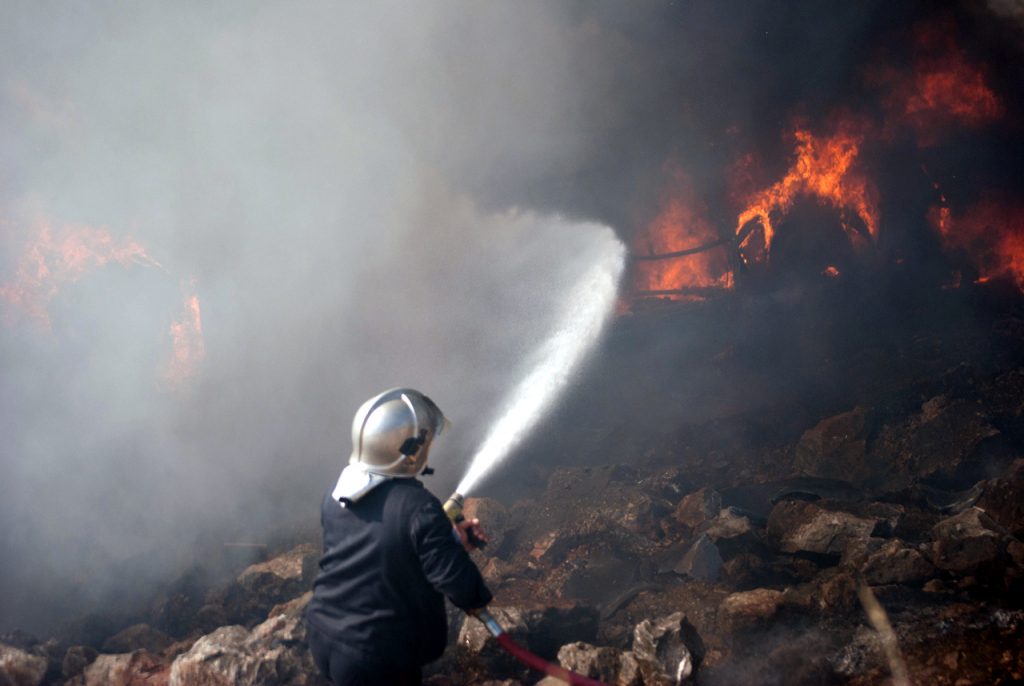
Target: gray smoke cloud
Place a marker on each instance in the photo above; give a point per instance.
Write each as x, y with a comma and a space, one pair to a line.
297, 166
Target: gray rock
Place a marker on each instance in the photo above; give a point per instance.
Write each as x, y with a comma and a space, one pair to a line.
748, 608
698, 508
629, 670
702, 561
261, 586
835, 448
808, 527
19, 668
601, 663
896, 563
668, 650
966, 541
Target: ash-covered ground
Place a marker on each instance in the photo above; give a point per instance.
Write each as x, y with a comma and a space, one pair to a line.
729, 486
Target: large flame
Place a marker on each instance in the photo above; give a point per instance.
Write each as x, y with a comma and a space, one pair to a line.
946, 90
990, 234
680, 224
822, 168
54, 259
187, 346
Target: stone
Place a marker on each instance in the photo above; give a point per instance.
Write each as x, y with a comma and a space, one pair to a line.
748, 608
702, 561
76, 659
835, 448
601, 663
137, 637
729, 524
139, 668
698, 508
19, 668
810, 528
629, 670
274, 652
1003, 499
668, 650
966, 541
896, 563
494, 518
261, 586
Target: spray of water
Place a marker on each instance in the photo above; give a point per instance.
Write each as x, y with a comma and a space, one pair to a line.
587, 309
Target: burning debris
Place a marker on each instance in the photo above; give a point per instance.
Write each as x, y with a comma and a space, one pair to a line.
54, 259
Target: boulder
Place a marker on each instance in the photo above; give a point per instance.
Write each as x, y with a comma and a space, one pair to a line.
601, 663
19, 668
835, 447
274, 652
629, 670
137, 637
896, 563
967, 541
140, 668
668, 650
748, 608
261, 586
811, 528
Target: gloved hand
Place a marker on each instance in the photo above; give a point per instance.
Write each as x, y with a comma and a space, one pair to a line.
471, 534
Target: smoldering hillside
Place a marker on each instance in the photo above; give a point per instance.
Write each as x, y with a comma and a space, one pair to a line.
359, 197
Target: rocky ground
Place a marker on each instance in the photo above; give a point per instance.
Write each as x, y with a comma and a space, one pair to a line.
883, 540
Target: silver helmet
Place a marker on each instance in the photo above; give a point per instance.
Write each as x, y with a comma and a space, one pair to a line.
392, 433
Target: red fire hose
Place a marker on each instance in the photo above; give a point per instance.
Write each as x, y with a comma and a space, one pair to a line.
529, 659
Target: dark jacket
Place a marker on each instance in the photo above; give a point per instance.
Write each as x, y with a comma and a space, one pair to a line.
387, 560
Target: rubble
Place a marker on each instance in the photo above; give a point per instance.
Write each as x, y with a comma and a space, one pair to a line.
740, 564
261, 586
19, 668
274, 652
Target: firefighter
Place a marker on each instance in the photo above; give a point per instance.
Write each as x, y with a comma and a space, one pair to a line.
389, 552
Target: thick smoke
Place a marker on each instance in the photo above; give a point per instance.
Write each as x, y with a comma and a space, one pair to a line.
296, 165
362, 195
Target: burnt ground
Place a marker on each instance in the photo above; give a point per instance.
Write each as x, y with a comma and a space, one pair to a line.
718, 490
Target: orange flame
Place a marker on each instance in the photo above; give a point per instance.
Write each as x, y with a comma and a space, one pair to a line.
54, 259
946, 89
188, 349
822, 169
830, 271
680, 225
990, 234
